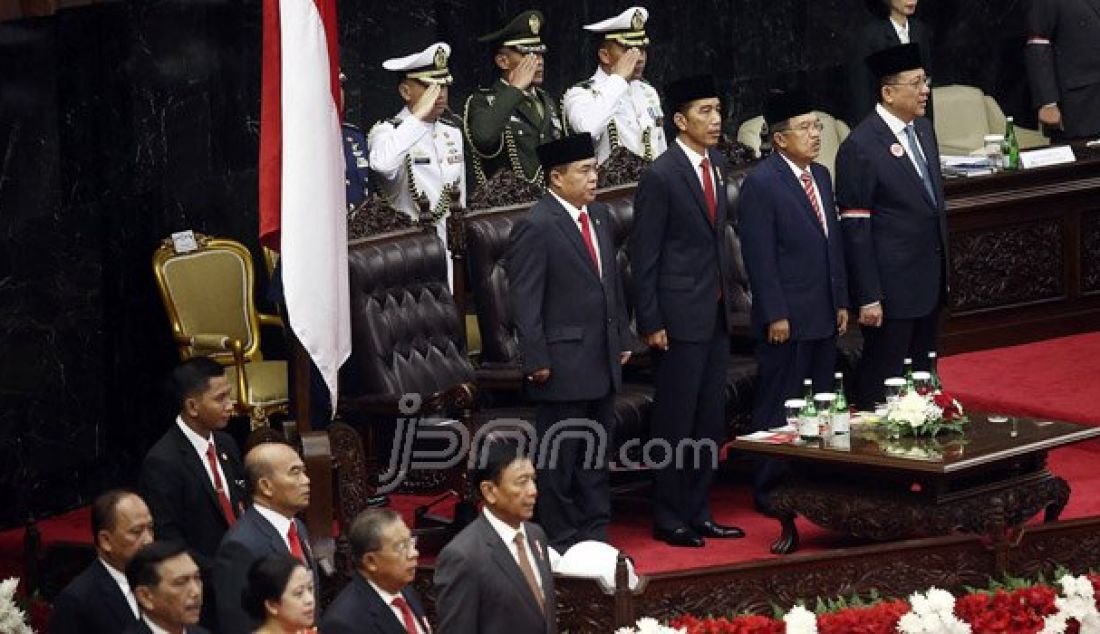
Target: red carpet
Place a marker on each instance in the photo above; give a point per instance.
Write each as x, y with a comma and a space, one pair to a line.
1056, 378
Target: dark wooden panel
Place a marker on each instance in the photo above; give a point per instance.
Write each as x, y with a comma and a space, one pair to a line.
1000, 266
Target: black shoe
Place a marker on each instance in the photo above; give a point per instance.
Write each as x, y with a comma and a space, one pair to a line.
682, 536
710, 529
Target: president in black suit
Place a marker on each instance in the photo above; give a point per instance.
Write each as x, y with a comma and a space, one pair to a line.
494, 577
572, 327
280, 490
1063, 65
99, 600
168, 586
682, 270
192, 478
893, 25
890, 193
379, 599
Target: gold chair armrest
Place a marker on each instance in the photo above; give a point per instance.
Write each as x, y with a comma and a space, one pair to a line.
271, 320
242, 378
209, 342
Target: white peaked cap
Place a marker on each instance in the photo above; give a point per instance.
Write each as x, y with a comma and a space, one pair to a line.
593, 560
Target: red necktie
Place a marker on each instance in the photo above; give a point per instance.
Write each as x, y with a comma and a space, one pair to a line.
219, 487
406, 614
808, 185
588, 241
708, 191
295, 543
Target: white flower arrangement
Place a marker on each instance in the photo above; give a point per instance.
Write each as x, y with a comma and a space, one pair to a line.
12, 618
1076, 602
800, 621
649, 626
932, 613
916, 414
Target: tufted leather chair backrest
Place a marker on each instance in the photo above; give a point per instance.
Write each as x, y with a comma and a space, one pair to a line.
406, 330
486, 246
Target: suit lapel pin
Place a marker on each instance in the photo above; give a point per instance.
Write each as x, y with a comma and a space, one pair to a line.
225, 457
897, 150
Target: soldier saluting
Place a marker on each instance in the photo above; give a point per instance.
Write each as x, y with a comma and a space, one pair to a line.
508, 120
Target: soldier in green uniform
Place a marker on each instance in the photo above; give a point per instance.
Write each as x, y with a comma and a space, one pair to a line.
505, 122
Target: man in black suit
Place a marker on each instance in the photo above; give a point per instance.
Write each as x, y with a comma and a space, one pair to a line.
1063, 64
890, 193
280, 490
682, 269
379, 599
168, 587
570, 315
99, 600
893, 25
192, 477
494, 577
795, 261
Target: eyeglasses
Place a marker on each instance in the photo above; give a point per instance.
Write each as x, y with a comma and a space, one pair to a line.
916, 84
405, 546
804, 127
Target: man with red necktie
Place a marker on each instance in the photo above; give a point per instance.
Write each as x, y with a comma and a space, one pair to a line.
280, 490
681, 268
192, 478
573, 335
795, 260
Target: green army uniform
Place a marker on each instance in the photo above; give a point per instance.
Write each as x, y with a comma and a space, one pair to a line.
503, 124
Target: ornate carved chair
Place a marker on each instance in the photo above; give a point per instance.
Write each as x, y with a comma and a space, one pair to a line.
208, 295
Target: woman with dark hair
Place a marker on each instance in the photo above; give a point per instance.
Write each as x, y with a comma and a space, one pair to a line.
893, 24
280, 596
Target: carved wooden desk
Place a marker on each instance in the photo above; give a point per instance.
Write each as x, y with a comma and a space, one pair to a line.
987, 481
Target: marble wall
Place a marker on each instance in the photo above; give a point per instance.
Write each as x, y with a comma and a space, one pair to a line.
123, 121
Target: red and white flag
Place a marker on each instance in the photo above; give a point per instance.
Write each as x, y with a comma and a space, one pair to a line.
302, 198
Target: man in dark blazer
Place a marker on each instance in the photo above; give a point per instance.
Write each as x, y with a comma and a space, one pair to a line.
168, 586
379, 599
99, 600
1063, 64
795, 260
572, 325
682, 270
890, 193
494, 577
893, 25
280, 490
192, 478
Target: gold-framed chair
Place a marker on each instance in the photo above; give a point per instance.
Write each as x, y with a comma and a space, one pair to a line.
207, 294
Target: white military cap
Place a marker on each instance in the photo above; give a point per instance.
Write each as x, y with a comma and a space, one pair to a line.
428, 66
627, 28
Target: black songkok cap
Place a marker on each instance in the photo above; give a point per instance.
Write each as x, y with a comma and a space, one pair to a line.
688, 89
576, 147
894, 60
781, 106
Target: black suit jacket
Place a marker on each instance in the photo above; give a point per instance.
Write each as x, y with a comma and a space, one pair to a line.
874, 36
481, 590
1067, 71
251, 538
795, 271
895, 237
181, 498
679, 259
141, 628
359, 610
570, 318
92, 603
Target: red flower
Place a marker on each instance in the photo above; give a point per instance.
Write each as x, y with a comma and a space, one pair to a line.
881, 618
947, 404
751, 624
1016, 612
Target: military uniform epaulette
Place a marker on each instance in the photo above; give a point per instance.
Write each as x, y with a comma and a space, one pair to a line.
586, 84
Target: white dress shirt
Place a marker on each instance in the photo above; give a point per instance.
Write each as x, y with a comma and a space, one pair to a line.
902, 30
696, 159
123, 585
508, 534
897, 126
388, 598
200, 444
575, 214
798, 171
280, 522
634, 106
154, 628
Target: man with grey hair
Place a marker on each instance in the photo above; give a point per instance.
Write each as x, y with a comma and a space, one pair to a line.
379, 598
